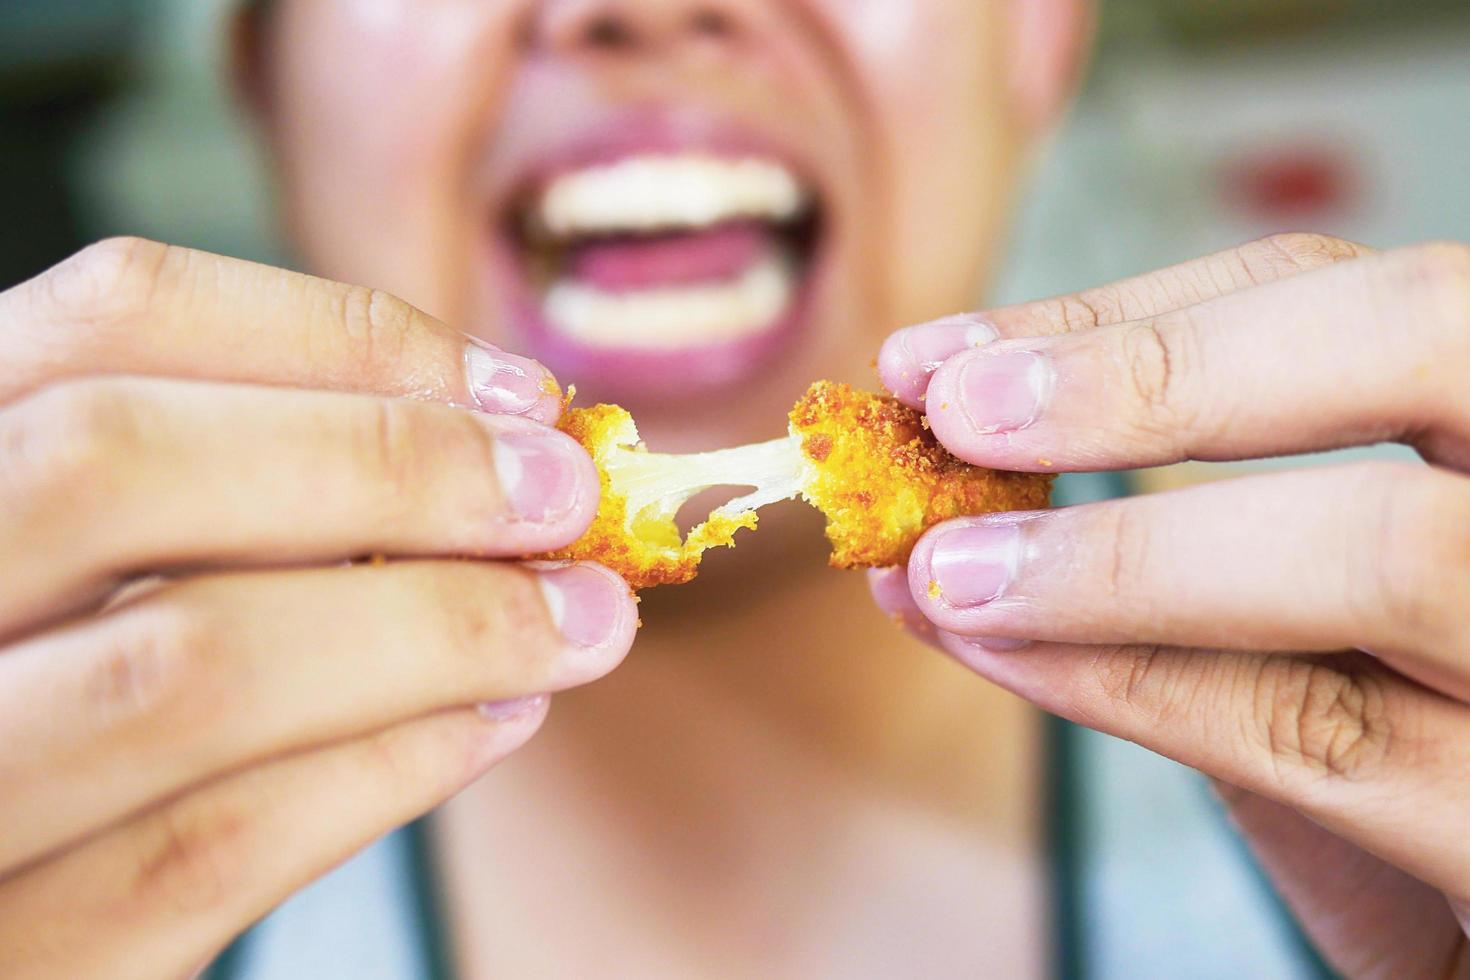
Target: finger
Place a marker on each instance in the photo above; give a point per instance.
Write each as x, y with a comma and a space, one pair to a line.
107, 478
910, 356
1367, 556
158, 896
129, 306
100, 719
1370, 756
889, 588
1357, 908
1361, 352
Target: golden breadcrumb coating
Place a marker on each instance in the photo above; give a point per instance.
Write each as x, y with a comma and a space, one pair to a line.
882, 478
868, 462
644, 548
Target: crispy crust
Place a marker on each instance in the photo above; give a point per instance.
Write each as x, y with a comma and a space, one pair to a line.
883, 479
878, 475
654, 557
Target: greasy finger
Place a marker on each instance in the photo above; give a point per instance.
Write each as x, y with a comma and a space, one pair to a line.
1373, 556
102, 718
1360, 352
910, 356
160, 895
131, 306
114, 477
1372, 757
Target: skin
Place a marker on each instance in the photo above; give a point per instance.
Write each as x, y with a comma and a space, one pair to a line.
192, 674
815, 780
836, 80
1301, 636
836, 85
205, 707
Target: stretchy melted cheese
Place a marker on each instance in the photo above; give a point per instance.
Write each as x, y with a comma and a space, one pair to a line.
866, 461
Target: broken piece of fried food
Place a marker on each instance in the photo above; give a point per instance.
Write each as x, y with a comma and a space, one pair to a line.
866, 461
881, 478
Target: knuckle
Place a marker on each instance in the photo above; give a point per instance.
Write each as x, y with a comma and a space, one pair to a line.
1090, 309
1443, 261
396, 767
1148, 359
409, 450
1123, 551
104, 413
1155, 358
1127, 677
468, 624
151, 670
75, 437
1319, 721
1286, 253
111, 281
484, 618
466, 448
1448, 529
472, 624
1149, 681
1414, 563
391, 446
1442, 534
378, 326
1442, 269
195, 856
415, 769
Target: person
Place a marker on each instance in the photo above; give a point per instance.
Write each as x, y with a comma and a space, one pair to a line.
209, 695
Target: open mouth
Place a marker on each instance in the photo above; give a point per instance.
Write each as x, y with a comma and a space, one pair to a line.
664, 272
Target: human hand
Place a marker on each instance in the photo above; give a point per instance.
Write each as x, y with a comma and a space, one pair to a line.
1304, 636
203, 703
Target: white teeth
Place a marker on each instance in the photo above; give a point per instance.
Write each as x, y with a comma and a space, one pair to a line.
670, 317
648, 193
655, 193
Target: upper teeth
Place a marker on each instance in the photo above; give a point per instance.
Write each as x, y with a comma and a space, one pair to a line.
649, 193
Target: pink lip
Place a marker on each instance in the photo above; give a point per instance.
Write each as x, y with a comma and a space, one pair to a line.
636, 374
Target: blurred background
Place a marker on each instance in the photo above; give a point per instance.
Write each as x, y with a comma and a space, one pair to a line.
1203, 124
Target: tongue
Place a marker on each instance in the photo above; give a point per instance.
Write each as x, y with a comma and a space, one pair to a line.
682, 257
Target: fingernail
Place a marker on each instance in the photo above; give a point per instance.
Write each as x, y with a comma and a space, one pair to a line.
890, 590
584, 604
929, 345
972, 565
540, 476
506, 384
910, 356
511, 709
1003, 392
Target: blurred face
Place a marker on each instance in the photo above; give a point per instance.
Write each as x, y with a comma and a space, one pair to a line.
693, 207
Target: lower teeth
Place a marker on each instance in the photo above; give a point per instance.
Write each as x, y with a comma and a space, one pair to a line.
673, 316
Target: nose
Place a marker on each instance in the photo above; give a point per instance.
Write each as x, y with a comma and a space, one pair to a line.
634, 26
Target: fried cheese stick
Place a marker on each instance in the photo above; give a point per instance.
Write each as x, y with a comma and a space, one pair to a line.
866, 461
